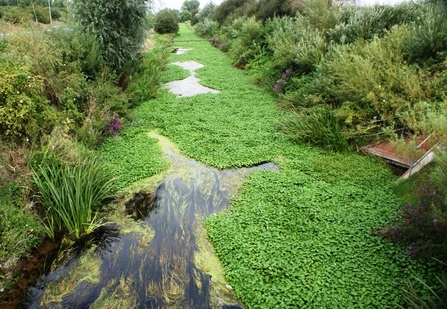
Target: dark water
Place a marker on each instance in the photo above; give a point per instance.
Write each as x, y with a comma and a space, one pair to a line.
159, 270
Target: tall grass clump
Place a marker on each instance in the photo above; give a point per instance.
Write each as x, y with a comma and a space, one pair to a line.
72, 194
317, 126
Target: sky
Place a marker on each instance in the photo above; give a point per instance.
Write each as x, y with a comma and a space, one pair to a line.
177, 4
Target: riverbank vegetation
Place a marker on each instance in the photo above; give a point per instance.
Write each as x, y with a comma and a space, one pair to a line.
377, 69
329, 229
63, 92
345, 76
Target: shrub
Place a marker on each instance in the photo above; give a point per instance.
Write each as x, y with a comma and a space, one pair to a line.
17, 15
268, 9
368, 22
320, 15
41, 14
206, 12
296, 43
63, 81
56, 13
206, 28
263, 70
147, 79
20, 228
74, 79
428, 35
229, 10
317, 126
120, 27
24, 111
78, 49
421, 223
247, 42
166, 21
372, 81
71, 195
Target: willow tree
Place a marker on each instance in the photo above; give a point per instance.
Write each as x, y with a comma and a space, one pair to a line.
119, 26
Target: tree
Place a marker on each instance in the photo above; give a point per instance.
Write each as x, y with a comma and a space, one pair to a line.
229, 8
119, 25
192, 6
207, 12
185, 15
166, 22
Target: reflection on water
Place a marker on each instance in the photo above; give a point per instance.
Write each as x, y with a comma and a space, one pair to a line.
167, 266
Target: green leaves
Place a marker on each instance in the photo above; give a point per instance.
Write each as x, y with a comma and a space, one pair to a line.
133, 156
299, 240
119, 27
71, 195
23, 108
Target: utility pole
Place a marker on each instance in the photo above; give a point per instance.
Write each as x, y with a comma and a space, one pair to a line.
49, 10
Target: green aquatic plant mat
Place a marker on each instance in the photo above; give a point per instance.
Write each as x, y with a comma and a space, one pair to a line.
233, 128
133, 155
299, 238
304, 237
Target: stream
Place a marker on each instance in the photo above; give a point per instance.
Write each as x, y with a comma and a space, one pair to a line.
161, 258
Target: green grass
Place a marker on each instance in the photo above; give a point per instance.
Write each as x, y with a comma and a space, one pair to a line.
301, 238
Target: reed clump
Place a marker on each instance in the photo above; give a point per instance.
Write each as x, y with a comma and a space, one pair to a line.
71, 195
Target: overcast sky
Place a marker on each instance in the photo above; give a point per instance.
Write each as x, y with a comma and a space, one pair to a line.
177, 4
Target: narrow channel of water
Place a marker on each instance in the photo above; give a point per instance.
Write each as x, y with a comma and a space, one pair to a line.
164, 260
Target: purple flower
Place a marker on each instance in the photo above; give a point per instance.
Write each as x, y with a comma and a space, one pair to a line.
276, 88
114, 126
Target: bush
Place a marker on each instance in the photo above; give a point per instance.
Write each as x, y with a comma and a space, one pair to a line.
56, 13
24, 111
421, 223
17, 15
41, 14
147, 79
120, 27
79, 50
268, 9
371, 81
247, 42
428, 35
71, 195
63, 81
74, 80
20, 228
369, 22
166, 21
207, 12
229, 10
317, 126
206, 28
296, 43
